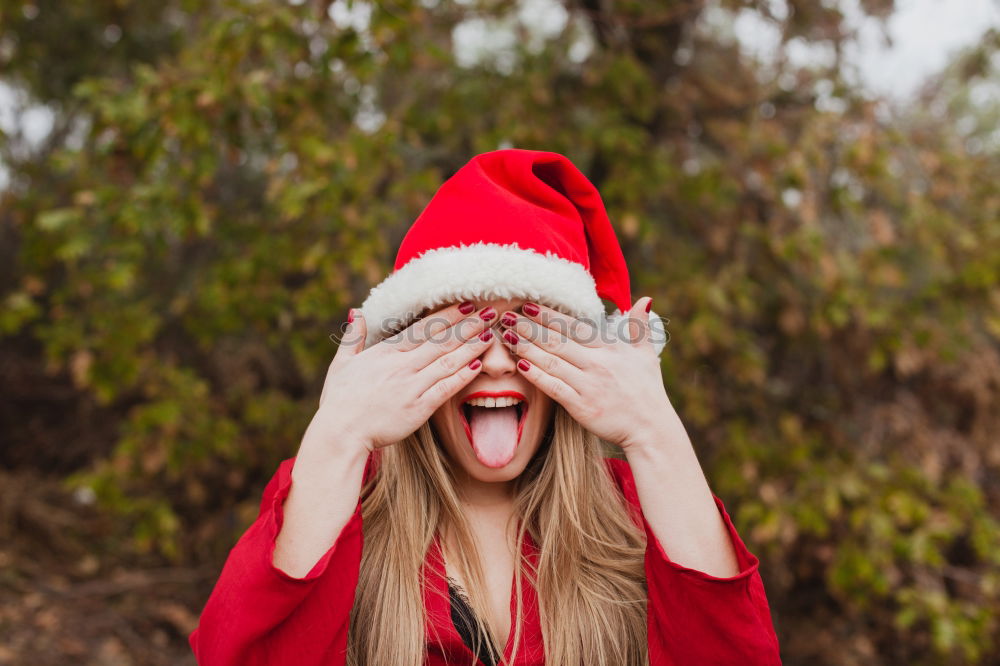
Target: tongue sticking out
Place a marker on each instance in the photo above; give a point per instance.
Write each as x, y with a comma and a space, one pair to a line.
494, 434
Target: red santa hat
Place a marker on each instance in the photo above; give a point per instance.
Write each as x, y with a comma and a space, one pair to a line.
509, 224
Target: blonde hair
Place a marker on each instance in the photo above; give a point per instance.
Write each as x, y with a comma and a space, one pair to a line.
590, 575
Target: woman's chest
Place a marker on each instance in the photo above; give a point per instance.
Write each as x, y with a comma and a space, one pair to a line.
498, 562
517, 602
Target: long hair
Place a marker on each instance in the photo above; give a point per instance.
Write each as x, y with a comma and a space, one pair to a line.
590, 577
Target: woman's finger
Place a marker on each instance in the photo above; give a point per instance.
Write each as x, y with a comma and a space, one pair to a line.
638, 321
448, 363
579, 330
358, 331
453, 337
550, 340
640, 326
355, 329
444, 388
429, 326
352, 342
549, 362
555, 388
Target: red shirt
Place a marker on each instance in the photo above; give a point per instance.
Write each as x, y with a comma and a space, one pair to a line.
259, 615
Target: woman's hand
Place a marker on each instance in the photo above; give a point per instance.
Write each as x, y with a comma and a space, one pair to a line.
612, 386
377, 396
371, 398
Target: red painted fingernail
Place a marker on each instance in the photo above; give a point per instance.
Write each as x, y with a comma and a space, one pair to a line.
487, 313
486, 335
530, 309
523, 365
508, 319
511, 337
350, 316
475, 364
467, 307
649, 306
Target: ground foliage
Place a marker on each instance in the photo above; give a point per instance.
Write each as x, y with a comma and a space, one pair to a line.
224, 179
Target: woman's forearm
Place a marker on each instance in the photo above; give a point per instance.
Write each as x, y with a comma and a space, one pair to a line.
326, 485
677, 501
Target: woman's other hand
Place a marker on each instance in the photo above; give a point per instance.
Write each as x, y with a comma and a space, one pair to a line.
377, 396
608, 380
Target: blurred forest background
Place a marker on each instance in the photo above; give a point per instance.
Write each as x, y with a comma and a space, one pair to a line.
225, 178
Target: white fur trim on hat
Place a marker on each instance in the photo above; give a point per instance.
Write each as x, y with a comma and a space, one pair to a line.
480, 271
486, 271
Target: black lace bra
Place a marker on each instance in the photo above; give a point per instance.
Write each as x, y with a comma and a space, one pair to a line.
465, 622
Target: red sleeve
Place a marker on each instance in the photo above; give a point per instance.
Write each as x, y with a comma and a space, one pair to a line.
258, 614
695, 617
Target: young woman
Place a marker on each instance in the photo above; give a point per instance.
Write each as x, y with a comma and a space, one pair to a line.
453, 500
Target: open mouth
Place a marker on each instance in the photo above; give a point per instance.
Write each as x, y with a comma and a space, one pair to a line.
467, 411
494, 432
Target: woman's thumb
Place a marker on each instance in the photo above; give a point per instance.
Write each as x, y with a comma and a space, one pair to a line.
355, 332
350, 343
638, 321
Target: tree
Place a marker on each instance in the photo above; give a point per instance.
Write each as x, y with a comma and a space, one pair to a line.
225, 179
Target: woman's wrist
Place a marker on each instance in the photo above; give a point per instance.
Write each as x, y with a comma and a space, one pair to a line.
666, 432
326, 485
326, 439
322, 457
